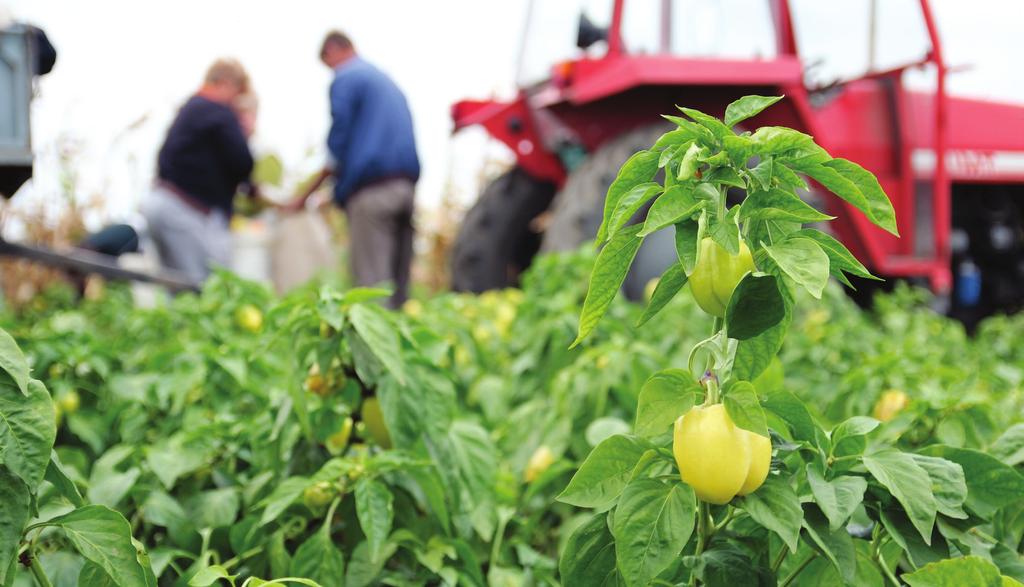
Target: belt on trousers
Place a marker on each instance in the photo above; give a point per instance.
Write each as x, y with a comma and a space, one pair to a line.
383, 179
190, 201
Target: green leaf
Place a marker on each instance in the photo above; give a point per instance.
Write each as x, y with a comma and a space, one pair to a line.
842, 185
853, 427
319, 559
589, 555
665, 396
762, 174
108, 485
755, 354
104, 537
27, 430
741, 403
837, 546
214, 508
776, 507
697, 132
794, 413
903, 533
726, 233
956, 572
470, 464
755, 306
717, 127
739, 148
678, 202
13, 362
948, 484
425, 405
652, 523
726, 565
769, 231
837, 498
362, 570
779, 204
55, 475
638, 169
629, 204
787, 178
840, 259
284, 495
610, 271
686, 244
672, 280
991, 484
172, 458
93, 575
278, 557
15, 497
1010, 563
375, 329
724, 176
1009, 447
803, 261
604, 473
375, 510
674, 138
359, 295
779, 140
163, 510
748, 107
688, 164
878, 208
668, 154
909, 483
210, 575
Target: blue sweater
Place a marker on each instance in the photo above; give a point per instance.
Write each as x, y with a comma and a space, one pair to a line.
371, 135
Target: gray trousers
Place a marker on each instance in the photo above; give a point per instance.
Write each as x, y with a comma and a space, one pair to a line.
186, 239
381, 233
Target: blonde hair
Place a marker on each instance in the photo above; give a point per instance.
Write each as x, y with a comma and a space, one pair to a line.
227, 70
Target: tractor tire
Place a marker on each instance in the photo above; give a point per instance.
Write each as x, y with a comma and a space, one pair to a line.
496, 241
578, 209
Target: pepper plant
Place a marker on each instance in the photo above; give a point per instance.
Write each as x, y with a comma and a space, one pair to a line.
726, 479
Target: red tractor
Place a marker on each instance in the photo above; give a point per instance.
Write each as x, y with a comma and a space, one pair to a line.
953, 168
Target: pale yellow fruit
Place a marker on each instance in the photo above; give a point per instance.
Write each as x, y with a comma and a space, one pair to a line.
712, 454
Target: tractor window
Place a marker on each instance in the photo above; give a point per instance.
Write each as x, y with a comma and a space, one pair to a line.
550, 37
834, 38
741, 29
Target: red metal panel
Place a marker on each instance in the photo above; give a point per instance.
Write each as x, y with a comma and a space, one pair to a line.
512, 123
594, 79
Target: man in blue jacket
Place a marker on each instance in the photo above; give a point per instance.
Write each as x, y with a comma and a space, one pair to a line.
374, 164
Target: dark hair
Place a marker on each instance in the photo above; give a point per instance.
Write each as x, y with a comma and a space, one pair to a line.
336, 38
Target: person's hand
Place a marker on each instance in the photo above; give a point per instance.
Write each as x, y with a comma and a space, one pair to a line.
292, 206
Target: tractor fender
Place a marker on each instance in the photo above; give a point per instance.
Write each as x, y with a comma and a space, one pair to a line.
513, 124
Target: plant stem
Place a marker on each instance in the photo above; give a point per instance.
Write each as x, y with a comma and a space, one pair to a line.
703, 515
729, 515
37, 571
778, 560
712, 387
247, 554
499, 537
885, 569
789, 579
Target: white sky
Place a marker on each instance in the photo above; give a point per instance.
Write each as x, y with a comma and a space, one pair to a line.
124, 66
